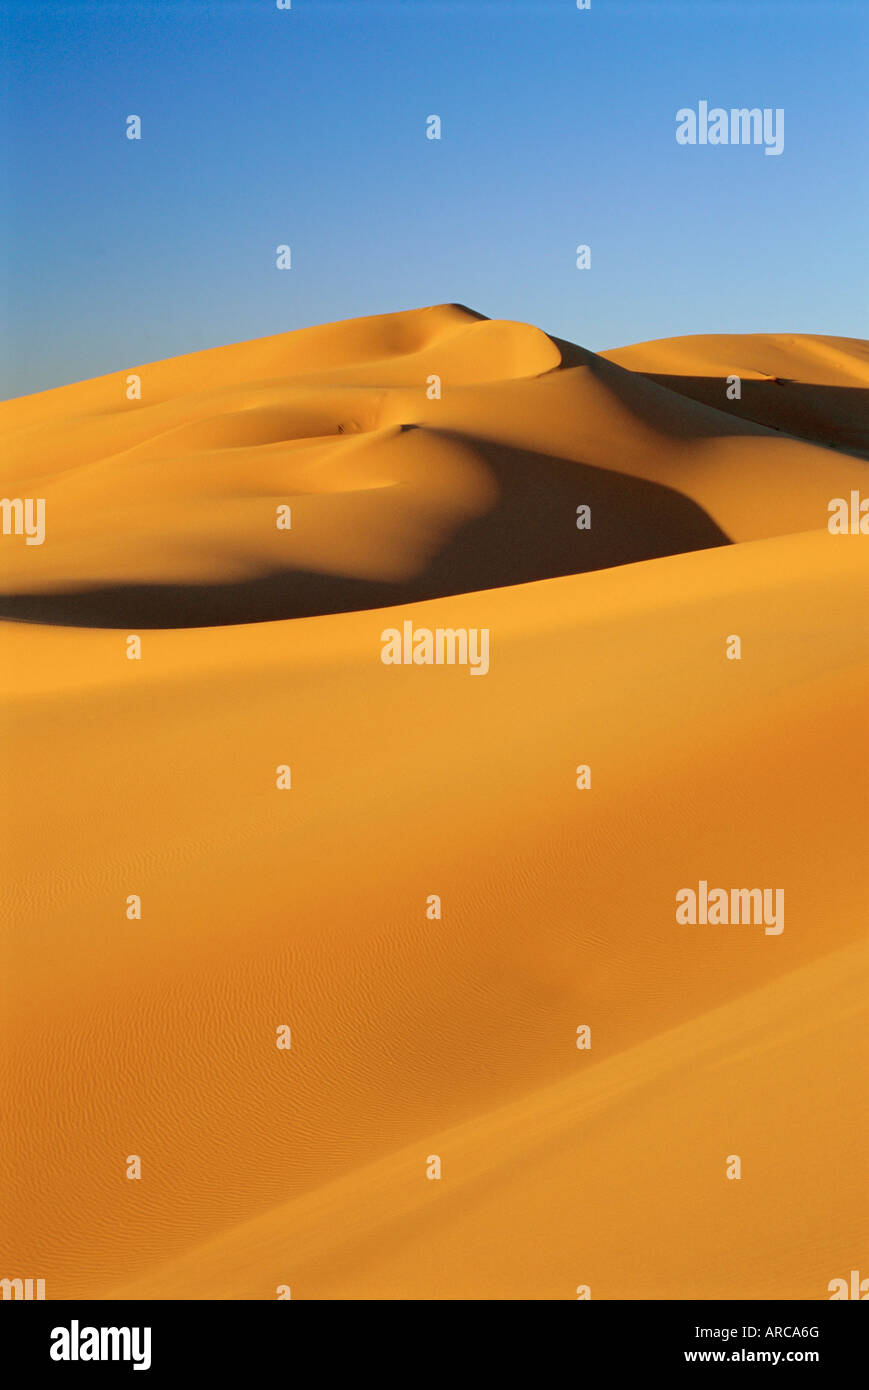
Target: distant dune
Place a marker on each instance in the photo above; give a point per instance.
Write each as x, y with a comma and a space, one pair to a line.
810, 387
414, 1036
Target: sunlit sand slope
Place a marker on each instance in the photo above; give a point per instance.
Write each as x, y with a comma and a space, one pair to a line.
456, 1037
595, 1183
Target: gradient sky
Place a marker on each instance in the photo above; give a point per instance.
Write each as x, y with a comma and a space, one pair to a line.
307, 127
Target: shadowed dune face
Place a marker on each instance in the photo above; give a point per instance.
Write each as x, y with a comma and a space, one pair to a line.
421, 454
836, 417
527, 496
816, 389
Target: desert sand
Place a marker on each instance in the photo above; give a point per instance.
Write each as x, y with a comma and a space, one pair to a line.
411, 1036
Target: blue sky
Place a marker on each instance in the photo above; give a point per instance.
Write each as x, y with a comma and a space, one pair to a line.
308, 127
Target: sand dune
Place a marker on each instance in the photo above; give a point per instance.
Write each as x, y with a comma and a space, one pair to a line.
411, 1036
811, 387
160, 508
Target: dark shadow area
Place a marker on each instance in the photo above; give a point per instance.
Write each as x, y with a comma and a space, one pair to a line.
529, 534
835, 416
669, 411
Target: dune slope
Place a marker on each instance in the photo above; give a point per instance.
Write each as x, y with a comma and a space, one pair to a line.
416, 1035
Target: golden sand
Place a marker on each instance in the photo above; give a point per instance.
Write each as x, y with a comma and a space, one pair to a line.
414, 1037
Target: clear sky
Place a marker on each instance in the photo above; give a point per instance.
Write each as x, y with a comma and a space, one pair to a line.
308, 127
